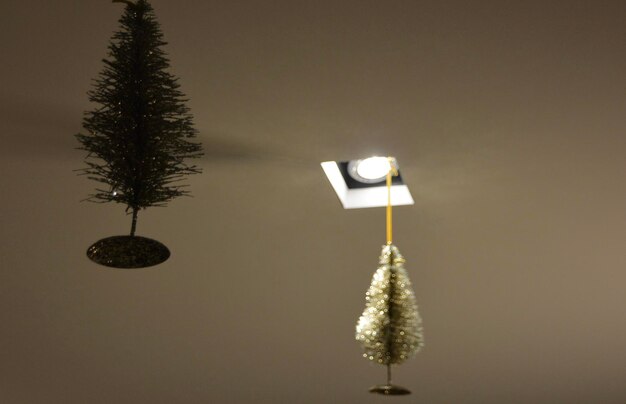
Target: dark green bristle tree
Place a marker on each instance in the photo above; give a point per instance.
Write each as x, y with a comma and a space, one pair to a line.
139, 136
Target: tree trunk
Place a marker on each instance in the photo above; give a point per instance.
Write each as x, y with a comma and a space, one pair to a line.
133, 226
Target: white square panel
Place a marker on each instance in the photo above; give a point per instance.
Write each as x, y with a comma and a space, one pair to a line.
368, 197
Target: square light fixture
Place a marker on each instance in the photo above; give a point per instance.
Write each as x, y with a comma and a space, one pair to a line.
361, 183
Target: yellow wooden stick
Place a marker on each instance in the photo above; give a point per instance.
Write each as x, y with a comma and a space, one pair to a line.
392, 171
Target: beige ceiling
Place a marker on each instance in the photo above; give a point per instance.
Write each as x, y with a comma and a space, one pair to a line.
508, 120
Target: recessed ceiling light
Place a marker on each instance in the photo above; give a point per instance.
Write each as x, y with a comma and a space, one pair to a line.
361, 183
370, 170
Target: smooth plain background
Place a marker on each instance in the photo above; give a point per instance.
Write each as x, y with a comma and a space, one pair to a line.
508, 119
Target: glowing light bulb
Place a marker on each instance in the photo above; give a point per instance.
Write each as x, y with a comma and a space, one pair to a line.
373, 168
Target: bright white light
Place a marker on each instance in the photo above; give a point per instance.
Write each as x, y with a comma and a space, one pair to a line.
373, 168
364, 197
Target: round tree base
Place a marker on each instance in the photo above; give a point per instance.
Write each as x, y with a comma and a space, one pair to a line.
389, 390
128, 252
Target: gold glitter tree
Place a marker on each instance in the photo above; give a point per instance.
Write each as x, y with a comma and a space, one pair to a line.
390, 328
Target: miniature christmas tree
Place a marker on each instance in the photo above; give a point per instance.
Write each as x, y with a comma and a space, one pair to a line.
139, 136
390, 328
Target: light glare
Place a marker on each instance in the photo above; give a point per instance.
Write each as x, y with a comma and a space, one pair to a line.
373, 168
